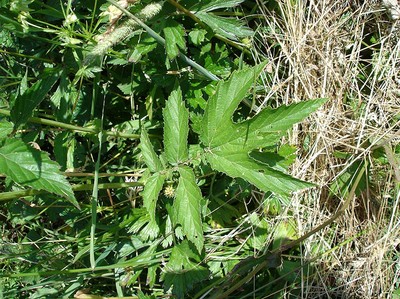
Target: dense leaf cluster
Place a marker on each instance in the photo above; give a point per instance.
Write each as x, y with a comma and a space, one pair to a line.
158, 152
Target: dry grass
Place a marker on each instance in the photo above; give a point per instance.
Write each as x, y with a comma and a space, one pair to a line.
324, 49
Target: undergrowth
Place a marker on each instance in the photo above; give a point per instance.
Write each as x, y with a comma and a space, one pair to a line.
199, 149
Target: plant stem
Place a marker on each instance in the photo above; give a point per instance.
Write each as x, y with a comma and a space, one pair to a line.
90, 130
9, 196
161, 40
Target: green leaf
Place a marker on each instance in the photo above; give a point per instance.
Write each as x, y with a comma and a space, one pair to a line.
183, 270
5, 129
197, 36
262, 176
143, 47
176, 128
152, 189
187, 207
217, 4
32, 97
221, 106
149, 155
230, 28
229, 144
343, 183
174, 39
30, 167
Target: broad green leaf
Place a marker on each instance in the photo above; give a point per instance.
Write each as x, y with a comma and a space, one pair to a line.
343, 183
174, 39
32, 97
152, 188
217, 119
262, 176
187, 207
143, 47
197, 36
5, 128
227, 27
265, 129
217, 4
229, 144
30, 167
149, 155
176, 128
183, 270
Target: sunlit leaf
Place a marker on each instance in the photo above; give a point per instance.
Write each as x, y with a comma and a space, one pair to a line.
30, 167
176, 128
187, 207
217, 4
227, 27
174, 39
229, 144
149, 155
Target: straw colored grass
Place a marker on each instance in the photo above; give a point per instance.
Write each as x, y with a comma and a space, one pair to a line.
324, 49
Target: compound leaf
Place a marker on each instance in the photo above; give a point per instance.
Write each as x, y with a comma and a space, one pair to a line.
187, 207
176, 128
30, 167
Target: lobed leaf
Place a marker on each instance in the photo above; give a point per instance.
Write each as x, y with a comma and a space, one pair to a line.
217, 123
262, 176
187, 207
30, 167
176, 128
229, 144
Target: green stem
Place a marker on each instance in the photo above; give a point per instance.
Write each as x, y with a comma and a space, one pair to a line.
9, 196
161, 40
53, 123
25, 56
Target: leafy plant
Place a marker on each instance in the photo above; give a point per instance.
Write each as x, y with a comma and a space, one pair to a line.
156, 151
224, 145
